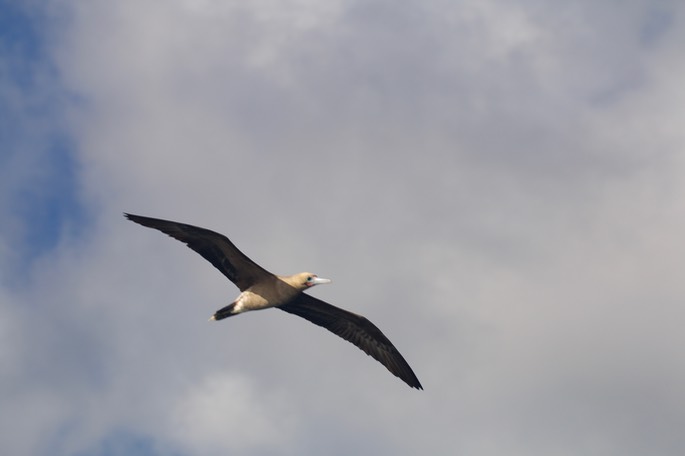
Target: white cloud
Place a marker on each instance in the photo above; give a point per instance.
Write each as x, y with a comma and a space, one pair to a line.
225, 413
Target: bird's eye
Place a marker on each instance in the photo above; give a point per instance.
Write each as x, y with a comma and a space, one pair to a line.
309, 279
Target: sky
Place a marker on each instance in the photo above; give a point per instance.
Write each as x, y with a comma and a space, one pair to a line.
499, 186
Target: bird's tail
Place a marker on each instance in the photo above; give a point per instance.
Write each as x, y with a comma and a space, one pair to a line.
224, 312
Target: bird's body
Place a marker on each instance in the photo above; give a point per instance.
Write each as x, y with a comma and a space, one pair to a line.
261, 289
272, 291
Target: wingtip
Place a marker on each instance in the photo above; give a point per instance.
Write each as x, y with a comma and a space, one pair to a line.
414, 383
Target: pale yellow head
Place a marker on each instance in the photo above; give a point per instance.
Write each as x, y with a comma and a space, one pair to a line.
305, 280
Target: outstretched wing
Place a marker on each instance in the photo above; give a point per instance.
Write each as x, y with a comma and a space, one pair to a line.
214, 247
356, 329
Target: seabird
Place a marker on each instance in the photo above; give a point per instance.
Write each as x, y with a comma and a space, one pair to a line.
261, 289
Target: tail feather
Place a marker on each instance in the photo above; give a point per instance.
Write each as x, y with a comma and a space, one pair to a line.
224, 312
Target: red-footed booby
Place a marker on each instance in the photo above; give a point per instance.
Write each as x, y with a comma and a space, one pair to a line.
261, 289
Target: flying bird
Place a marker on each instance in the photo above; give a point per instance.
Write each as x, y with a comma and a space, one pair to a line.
261, 289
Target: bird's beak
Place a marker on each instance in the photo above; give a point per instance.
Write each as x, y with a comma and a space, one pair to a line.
320, 281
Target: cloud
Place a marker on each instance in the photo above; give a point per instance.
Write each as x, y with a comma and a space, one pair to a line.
496, 186
219, 415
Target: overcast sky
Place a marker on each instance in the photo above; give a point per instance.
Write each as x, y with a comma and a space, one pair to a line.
498, 185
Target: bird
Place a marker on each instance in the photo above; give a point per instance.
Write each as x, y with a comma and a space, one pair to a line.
260, 289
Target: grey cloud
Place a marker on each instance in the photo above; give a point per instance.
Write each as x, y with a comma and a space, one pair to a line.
495, 185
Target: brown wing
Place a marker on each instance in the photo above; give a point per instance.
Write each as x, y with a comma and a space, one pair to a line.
214, 247
356, 329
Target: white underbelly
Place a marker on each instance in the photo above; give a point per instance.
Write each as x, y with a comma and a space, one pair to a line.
248, 301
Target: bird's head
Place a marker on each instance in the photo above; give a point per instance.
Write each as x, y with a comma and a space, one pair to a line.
307, 279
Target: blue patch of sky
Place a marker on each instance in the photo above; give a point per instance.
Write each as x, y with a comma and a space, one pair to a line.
125, 443
17, 30
37, 153
656, 23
